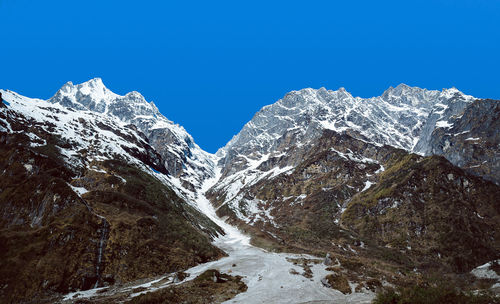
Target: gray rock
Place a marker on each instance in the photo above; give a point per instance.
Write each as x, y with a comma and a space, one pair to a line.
328, 260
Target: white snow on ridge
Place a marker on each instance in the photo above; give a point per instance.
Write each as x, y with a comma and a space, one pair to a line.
193, 164
79, 190
74, 127
95, 103
396, 118
368, 184
443, 124
67, 125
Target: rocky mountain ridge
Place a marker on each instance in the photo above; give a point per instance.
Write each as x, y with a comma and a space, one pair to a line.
182, 157
318, 171
403, 117
279, 135
295, 174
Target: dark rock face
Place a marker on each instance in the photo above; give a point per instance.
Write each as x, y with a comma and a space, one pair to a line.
432, 210
303, 186
473, 142
346, 192
3, 104
65, 226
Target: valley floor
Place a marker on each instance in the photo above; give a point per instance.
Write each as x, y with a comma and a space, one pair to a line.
269, 276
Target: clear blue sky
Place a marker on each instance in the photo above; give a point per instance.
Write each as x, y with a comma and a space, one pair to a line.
210, 65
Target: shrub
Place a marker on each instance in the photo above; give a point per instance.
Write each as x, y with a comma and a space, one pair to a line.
422, 294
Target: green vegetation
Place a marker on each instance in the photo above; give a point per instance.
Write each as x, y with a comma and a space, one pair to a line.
157, 229
420, 207
152, 231
339, 282
209, 287
422, 294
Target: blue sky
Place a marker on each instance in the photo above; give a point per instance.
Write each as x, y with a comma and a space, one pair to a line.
210, 65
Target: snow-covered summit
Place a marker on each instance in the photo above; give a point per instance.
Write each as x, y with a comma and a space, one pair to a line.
183, 158
94, 96
281, 136
91, 95
403, 117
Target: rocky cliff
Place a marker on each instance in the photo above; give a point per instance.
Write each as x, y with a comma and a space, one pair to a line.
87, 201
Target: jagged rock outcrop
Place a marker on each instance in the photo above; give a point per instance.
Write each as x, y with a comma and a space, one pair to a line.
399, 117
181, 156
280, 135
472, 140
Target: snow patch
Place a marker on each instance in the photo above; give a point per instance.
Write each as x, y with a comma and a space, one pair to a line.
368, 184
443, 124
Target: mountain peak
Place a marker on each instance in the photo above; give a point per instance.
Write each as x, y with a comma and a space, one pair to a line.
97, 81
399, 118
94, 83
90, 95
342, 90
454, 92
93, 87
135, 95
402, 88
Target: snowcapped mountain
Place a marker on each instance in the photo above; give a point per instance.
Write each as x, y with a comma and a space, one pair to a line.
101, 181
87, 124
106, 125
110, 181
182, 157
279, 134
403, 117
85, 136
317, 165
272, 143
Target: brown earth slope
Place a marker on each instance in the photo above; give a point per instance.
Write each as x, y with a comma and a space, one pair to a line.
52, 240
376, 209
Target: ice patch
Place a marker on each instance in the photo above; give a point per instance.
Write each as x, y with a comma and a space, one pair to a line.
443, 124
79, 190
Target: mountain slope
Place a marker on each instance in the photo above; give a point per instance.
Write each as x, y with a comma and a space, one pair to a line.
472, 141
403, 117
346, 192
89, 189
301, 173
429, 208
